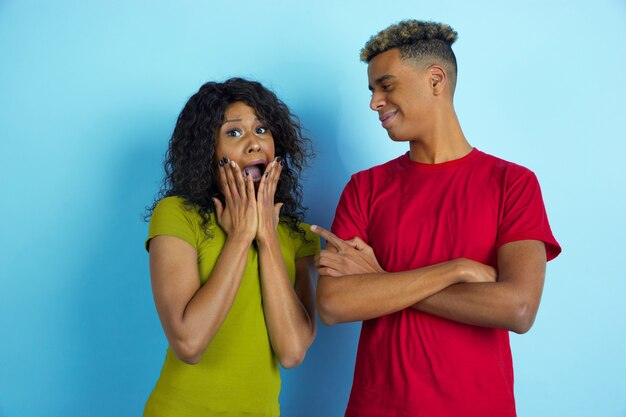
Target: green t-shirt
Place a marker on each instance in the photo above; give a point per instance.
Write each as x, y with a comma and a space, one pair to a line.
238, 373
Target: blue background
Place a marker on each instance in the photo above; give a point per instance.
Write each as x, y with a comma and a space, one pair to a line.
89, 94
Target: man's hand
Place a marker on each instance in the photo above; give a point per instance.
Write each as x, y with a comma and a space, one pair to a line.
344, 257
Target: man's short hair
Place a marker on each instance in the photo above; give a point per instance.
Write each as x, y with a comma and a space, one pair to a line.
420, 42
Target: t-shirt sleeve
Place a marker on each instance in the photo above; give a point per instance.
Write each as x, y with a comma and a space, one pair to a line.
310, 246
350, 220
524, 215
172, 218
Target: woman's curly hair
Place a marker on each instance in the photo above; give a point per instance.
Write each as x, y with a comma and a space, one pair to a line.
190, 162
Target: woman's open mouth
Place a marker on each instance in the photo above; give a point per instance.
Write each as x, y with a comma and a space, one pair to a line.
255, 170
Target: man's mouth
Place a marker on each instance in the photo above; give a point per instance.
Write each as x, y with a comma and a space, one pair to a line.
386, 119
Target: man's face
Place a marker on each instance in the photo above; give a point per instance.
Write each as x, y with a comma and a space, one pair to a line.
400, 95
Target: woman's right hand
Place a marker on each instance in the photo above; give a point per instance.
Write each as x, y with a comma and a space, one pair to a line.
239, 217
472, 271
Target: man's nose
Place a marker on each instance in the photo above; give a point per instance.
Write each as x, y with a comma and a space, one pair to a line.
377, 102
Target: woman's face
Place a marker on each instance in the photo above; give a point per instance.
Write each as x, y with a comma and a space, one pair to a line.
243, 138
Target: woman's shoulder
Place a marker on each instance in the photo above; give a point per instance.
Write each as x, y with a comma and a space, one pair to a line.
170, 203
177, 209
176, 204
174, 216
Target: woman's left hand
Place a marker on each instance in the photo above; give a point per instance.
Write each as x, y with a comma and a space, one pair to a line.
268, 212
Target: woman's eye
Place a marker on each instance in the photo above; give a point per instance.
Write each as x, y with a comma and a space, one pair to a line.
234, 133
261, 130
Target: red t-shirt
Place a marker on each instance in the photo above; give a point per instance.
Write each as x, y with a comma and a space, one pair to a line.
411, 363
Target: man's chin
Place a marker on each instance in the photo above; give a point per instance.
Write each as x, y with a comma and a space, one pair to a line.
397, 137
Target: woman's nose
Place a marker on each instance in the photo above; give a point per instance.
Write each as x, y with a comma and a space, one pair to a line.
254, 145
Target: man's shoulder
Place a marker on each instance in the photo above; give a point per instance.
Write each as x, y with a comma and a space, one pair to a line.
500, 164
379, 169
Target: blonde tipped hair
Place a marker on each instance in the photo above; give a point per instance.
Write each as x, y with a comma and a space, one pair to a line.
408, 32
420, 42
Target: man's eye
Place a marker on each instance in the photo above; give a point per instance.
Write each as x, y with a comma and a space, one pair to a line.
386, 87
234, 133
261, 130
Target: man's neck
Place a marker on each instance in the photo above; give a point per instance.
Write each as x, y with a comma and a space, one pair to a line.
446, 142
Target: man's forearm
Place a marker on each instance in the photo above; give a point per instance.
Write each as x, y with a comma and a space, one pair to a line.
365, 296
489, 304
511, 303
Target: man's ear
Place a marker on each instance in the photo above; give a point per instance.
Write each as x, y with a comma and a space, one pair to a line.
438, 79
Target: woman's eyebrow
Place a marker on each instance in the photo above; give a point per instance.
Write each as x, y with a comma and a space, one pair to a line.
237, 120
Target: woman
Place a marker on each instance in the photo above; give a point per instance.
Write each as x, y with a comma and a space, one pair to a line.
231, 262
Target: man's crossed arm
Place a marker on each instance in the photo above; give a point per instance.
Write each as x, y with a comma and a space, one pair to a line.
353, 286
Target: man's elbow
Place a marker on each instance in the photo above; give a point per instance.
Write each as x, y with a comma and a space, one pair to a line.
327, 309
523, 318
326, 317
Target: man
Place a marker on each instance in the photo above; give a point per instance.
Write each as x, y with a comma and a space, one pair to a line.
446, 247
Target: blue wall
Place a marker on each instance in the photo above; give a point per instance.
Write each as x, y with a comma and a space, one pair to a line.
89, 93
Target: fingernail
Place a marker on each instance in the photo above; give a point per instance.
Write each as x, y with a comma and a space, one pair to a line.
233, 164
279, 158
220, 163
245, 172
267, 174
282, 162
225, 159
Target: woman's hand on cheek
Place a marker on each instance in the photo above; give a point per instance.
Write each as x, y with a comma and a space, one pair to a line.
268, 211
238, 218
